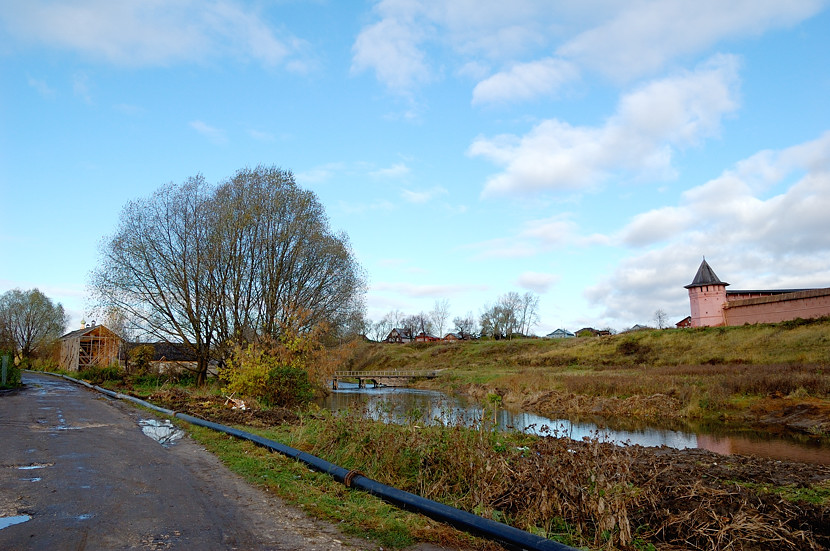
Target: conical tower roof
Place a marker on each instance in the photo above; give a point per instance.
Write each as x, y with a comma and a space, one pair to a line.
705, 276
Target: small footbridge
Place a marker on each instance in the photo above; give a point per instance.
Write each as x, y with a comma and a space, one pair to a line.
378, 378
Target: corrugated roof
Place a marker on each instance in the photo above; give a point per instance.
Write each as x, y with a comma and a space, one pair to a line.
705, 276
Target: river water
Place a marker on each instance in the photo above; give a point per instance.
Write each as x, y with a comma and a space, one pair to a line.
400, 405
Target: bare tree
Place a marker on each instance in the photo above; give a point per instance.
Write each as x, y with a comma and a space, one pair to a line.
661, 318
30, 321
418, 323
528, 312
160, 268
465, 326
208, 266
439, 315
382, 328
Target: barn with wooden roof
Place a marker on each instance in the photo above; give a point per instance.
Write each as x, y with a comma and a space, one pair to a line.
90, 346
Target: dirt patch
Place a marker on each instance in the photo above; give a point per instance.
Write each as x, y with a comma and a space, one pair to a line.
220, 410
801, 415
706, 499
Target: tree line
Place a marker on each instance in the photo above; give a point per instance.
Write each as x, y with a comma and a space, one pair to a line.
213, 266
30, 323
510, 315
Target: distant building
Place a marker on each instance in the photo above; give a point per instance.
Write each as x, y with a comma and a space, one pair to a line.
170, 357
399, 336
685, 322
591, 332
712, 305
426, 337
560, 334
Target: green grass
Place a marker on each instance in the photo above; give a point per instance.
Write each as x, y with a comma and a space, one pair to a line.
357, 513
707, 373
817, 495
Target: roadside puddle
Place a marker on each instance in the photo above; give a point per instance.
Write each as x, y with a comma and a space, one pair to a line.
162, 432
34, 466
5, 522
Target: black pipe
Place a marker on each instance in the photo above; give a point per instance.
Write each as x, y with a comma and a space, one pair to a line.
508, 536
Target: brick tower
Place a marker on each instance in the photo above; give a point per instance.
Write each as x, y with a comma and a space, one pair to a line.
707, 297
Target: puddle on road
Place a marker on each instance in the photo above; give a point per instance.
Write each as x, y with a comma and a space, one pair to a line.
5, 522
33, 479
162, 432
35, 466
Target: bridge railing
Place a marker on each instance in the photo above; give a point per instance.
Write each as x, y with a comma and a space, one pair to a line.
384, 374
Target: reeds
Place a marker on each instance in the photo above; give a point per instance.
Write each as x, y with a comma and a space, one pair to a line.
587, 491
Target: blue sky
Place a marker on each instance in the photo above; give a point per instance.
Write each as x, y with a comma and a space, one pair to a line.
591, 152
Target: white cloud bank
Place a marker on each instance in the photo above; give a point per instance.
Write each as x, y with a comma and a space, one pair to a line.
650, 123
761, 224
541, 46
151, 33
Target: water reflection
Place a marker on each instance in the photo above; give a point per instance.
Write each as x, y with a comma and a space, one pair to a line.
5, 522
399, 405
162, 432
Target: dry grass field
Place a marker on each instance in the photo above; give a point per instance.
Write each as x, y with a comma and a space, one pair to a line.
728, 374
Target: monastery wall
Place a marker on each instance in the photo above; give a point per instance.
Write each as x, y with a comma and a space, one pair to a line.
813, 303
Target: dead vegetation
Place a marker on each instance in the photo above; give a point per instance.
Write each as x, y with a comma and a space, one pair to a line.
588, 491
219, 409
580, 492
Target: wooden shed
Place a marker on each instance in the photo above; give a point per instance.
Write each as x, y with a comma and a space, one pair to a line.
94, 345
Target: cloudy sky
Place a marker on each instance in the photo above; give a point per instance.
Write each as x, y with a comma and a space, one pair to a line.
591, 152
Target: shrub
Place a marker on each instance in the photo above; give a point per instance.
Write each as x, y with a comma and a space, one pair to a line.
140, 358
100, 374
12, 371
287, 386
261, 374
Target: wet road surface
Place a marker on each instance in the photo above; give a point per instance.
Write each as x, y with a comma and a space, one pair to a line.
77, 472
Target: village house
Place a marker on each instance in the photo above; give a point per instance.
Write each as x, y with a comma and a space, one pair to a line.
591, 332
426, 337
712, 305
560, 334
685, 322
168, 357
399, 336
90, 346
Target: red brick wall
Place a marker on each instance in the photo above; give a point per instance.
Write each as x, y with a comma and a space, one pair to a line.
775, 308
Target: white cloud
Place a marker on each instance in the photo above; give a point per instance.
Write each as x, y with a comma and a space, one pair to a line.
149, 33
261, 135
650, 123
751, 238
537, 281
380, 205
42, 88
424, 291
540, 45
423, 195
395, 45
391, 48
537, 237
525, 81
644, 36
215, 135
396, 171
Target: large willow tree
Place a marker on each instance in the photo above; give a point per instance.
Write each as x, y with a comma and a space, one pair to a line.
208, 266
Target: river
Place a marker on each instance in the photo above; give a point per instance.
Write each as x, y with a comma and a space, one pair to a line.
399, 405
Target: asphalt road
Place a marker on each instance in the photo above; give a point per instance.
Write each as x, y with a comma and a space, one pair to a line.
78, 464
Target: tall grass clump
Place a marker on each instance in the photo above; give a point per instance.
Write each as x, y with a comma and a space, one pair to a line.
537, 484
